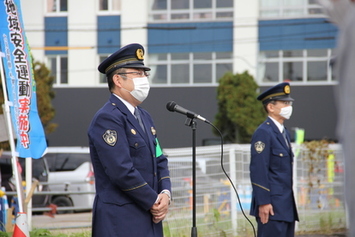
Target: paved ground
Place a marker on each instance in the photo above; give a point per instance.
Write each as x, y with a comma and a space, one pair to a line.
66, 223
79, 222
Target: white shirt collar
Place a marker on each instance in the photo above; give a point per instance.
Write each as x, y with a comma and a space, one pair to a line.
279, 125
126, 103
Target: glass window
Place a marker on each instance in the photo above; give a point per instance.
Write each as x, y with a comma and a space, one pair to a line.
180, 16
295, 65
175, 68
180, 74
317, 53
57, 5
202, 73
109, 5
222, 68
271, 54
63, 70
287, 8
224, 15
102, 76
159, 4
202, 56
271, 72
103, 5
224, 3
53, 68
292, 53
179, 56
160, 75
63, 5
180, 4
317, 71
59, 69
182, 10
202, 3
292, 71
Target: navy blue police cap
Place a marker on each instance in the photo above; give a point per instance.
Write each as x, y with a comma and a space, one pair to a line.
129, 56
279, 92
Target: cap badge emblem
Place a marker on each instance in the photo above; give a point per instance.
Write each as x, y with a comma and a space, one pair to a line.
140, 54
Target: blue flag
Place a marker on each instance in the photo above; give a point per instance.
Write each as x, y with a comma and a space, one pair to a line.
20, 84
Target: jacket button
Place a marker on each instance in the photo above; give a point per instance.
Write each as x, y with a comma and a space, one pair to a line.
281, 154
136, 144
155, 174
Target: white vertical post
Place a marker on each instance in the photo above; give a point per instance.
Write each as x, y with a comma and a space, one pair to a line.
28, 189
232, 165
11, 136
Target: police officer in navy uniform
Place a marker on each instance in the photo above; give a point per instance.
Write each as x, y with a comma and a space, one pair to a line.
273, 202
131, 173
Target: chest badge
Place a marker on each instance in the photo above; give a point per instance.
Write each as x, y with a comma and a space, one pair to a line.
110, 137
259, 146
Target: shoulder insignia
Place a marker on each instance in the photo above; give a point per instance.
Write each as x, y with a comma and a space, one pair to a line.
110, 137
259, 146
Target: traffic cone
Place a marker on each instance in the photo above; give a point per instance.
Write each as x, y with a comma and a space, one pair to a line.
21, 228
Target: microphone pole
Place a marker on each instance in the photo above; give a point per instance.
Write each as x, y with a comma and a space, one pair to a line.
173, 107
191, 123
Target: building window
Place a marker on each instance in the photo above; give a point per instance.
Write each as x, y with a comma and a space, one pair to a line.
109, 5
289, 8
189, 68
186, 10
295, 65
55, 6
59, 69
102, 77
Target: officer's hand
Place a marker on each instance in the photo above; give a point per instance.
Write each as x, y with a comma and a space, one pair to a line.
264, 212
160, 208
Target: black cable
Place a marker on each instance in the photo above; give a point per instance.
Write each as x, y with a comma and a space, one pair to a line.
230, 180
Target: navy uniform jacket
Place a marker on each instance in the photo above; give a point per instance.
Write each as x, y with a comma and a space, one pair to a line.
271, 173
128, 174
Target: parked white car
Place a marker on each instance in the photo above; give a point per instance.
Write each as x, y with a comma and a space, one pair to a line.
70, 169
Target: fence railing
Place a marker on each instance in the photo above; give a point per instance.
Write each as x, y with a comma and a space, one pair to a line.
318, 187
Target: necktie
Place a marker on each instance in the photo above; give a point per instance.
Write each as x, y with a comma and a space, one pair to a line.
138, 117
285, 136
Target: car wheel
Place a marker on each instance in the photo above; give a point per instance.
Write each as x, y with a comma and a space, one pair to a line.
63, 201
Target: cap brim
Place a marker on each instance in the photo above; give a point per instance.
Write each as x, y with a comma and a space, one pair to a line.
140, 66
280, 98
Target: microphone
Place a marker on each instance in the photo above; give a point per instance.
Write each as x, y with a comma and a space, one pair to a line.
173, 107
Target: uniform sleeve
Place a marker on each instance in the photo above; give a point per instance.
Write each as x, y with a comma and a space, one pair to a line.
259, 167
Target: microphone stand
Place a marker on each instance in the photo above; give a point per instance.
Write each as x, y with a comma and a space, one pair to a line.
191, 123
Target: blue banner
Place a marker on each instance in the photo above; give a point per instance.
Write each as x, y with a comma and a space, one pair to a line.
20, 83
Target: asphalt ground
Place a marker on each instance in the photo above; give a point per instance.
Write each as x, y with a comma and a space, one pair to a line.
81, 222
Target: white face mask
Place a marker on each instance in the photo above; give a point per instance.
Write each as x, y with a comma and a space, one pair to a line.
286, 112
141, 88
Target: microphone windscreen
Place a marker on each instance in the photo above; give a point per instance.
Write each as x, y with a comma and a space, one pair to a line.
171, 106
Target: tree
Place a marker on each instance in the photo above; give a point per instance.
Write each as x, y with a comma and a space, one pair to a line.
239, 112
45, 94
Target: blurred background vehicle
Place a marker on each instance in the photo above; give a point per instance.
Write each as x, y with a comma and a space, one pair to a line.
39, 171
70, 170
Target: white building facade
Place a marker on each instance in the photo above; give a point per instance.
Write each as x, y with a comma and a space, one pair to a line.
189, 43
